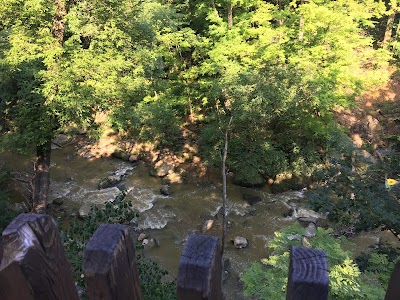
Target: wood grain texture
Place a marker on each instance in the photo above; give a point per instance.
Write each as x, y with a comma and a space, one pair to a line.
393, 290
308, 275
200, 269
109, 265
34, 264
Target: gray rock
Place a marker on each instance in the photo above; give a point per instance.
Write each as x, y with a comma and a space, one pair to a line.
240, 242
310, 230
142, 237
84, 211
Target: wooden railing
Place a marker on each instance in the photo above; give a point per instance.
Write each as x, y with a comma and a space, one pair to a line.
33, 266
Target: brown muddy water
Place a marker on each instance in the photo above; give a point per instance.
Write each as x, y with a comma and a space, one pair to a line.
171, 219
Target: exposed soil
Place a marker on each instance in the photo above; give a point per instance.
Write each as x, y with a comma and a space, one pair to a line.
375, 122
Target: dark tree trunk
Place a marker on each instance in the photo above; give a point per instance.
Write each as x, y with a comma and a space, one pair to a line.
230, 15
41, 179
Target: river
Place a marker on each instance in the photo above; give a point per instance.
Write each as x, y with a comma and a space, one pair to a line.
171, 219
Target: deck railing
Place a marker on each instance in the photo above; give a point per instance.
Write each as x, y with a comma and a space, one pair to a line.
33, 266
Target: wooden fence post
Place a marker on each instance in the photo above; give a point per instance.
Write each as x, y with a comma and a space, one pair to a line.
34, 264
308, 275
109, 265
393, 290
200, 269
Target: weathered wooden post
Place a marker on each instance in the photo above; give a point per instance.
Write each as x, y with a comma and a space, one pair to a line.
308, 275
200, 269
34, 264
109, 265
393, 290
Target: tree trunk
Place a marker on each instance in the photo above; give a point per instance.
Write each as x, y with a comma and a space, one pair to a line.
230, 15
214, 8
389, 28
58, 21
41, 179
301, 26
224, 195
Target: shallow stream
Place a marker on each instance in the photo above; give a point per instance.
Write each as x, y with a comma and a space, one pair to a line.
171, 219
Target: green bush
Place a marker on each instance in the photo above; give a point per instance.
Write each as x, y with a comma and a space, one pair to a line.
269, 279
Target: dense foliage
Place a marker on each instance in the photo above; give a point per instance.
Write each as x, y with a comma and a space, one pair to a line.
351, 190
277, 67
269, 279
119, 211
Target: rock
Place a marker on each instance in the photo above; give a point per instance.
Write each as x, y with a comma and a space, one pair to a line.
84, 211
164, 169
304, 221
142, 237
250, 199
285, 182
173, 177
109, 181
289, 213
308, 213
133, 158
121, 155
207, 225
89, 155
60, 141
219, 212
164, 190
149, 243
310, 230
373, 124
58, 201
240, 242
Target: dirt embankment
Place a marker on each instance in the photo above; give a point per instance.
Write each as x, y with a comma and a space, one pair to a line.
375, 121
